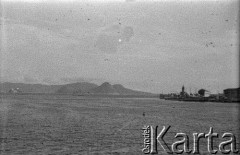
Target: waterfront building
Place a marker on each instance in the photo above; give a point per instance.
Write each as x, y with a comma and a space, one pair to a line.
232, 94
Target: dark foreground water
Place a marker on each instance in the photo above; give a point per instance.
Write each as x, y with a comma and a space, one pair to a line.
53, 124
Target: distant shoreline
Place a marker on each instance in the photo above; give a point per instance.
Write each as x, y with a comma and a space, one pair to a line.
85, 95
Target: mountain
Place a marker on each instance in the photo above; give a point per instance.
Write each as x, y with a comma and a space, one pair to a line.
74, 88
117, 89
40, 88
105, 88
125, 91
29, 88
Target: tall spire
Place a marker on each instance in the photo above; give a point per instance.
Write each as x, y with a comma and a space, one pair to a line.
183, 88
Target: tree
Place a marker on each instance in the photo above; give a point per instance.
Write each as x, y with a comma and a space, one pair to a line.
202, 92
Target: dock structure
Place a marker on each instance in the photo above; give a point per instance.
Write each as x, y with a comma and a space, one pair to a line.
228, 95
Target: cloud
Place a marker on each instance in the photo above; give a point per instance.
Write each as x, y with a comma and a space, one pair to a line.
110, 38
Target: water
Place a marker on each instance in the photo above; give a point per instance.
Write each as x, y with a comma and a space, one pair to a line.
62, 124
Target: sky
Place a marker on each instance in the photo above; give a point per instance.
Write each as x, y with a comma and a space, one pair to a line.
154, 46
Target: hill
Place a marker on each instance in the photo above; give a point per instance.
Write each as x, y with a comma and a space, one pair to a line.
74, 88
105, 88
117, 89
125, 91
29, 88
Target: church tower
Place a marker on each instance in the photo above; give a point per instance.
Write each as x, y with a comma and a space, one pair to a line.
183, 89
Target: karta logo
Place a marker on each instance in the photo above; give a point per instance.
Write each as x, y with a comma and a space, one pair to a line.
152, 140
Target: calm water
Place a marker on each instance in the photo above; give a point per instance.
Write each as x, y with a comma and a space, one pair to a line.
54, 124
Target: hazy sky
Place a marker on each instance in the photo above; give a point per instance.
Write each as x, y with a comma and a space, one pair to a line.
150, 46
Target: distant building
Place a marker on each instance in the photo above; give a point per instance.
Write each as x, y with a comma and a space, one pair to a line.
232, 94
183, 93
161, 96
14, 91
207, 93
204, 93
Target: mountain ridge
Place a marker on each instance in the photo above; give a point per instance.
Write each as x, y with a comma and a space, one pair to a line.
79, 88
